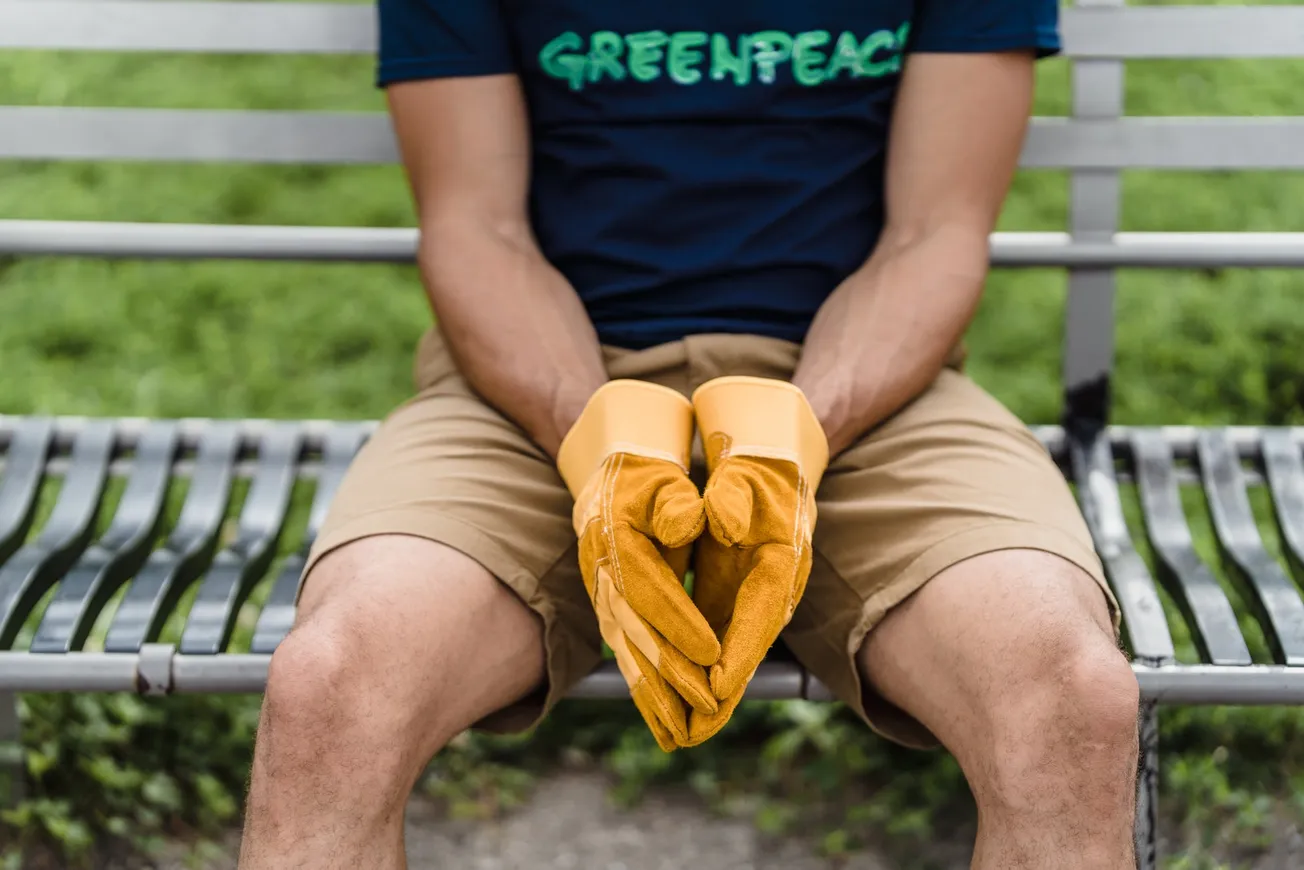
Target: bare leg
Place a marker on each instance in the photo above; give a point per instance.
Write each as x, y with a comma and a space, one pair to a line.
400, 644
1009, 659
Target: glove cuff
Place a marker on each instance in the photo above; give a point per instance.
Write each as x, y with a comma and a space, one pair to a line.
626, 416
763, 417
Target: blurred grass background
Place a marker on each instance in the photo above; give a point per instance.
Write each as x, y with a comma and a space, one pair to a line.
224, 339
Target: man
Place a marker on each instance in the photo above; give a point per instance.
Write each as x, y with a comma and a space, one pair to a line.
765, 223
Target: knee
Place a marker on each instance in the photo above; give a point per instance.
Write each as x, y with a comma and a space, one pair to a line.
1071, 723
324, 709
1099, 700
311, 683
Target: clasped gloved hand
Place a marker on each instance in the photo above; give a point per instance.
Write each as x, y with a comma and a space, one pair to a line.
765, 452
636, 514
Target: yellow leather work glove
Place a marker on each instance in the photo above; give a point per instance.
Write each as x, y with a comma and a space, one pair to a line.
765, 455
636, 514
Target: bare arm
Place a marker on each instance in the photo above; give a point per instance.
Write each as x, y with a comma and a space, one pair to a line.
514, 324
885, 333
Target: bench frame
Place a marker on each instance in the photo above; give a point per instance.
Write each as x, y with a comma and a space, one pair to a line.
1094, 144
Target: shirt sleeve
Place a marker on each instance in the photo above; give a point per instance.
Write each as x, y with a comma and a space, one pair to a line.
422, 39
958, 26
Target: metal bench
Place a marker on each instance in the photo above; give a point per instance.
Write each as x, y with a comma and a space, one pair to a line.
78, 574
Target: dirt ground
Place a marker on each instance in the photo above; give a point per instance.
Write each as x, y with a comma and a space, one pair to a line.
569, 824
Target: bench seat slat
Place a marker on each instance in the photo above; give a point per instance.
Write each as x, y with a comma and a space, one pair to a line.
1092, 467
1203, 602
169, 570
110, 561
238, 566
324, 450
31, 571
277, 617
282, 137
21, 483
1284, 470
1264, 583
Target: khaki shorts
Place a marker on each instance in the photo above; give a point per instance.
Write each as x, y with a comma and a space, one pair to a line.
951, 476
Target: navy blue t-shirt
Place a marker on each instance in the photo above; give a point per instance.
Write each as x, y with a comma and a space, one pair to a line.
703, 165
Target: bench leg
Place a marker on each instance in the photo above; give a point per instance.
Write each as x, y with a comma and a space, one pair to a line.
12, 770
1147, 796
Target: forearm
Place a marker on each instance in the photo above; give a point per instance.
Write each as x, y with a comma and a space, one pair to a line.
886, 332
514, 324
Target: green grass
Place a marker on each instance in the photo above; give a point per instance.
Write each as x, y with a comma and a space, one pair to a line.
225, 339
286, 340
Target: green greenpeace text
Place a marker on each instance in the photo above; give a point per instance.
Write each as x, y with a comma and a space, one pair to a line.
689, 57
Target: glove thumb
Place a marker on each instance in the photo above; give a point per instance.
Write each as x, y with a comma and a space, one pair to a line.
728, 503
677, 514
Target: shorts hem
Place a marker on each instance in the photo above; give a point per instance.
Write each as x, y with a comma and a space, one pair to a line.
990, 538
561, 654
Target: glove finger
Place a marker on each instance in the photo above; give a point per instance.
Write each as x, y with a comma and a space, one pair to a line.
657, 595
657, 661
763, 607
728, 503
688, 679
638, 672
717, 572
704, 726
665, 663
660, 732
653, 695
677, 560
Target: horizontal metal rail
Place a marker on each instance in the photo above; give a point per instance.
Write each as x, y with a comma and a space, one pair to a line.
311, 28
340, 138
1182, 440
399, 245
159, 669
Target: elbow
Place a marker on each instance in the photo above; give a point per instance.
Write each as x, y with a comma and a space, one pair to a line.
451, 230
964, 244
456, 256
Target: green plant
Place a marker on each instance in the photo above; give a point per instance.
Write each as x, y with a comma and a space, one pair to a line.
224, 339
118, 771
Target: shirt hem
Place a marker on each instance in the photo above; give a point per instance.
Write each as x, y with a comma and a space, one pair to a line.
1045, 44
391, 72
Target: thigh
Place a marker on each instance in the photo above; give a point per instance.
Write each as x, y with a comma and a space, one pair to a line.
974, 654
448, 522
951, 477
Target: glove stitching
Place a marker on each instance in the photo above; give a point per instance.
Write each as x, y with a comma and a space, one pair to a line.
765, 451
608, 524
601, 518
597, 575
607, 491
798, 539
620, 448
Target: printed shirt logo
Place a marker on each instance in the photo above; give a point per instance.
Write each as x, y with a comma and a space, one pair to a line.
687, 57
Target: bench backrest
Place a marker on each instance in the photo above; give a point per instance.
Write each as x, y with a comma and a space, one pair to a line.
1094, 143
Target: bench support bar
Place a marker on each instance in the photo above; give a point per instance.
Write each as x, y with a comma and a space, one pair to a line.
1147, 792
12, 774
